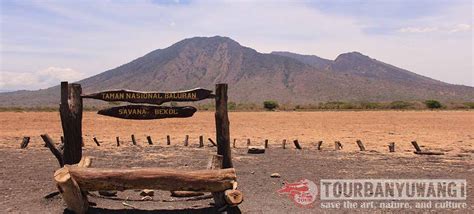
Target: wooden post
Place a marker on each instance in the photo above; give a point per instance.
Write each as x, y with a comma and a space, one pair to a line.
284, 144
25, 142
361, 145
168, 140
222, 126
148, 138
337, 145
70, 111
201, 141
96, 141
320, 143
266, 143
118, 141
233, 144
297, 144
415, 144
391, 147
133, 140
248, 142
186, 140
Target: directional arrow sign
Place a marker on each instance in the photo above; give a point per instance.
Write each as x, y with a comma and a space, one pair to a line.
144, 112
151, 97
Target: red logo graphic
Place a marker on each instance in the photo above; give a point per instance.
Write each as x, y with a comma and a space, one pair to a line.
302, 192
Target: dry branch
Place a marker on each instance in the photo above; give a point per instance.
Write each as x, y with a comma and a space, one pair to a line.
213, 143
50, 144
96, 141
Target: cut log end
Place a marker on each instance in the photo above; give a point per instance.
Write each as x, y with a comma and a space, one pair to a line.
233, 197
75, 199
62, 175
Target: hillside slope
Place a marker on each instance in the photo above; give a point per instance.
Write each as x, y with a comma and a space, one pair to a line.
254, 77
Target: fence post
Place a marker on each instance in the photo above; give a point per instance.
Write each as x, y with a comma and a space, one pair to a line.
201, 141
70, 111
222, 126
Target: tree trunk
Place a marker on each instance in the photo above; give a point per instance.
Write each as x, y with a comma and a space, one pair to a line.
94, 179
222, 126
70, 111
75, 198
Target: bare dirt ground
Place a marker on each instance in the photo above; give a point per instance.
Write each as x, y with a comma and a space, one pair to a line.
26, 174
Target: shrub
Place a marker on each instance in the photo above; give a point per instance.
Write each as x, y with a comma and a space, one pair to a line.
231, 105
432, 104
270, 105
469, 105
336, 105
399, 105
369, 105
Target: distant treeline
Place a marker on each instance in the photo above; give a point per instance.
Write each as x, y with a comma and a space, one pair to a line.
340, 105
271, 105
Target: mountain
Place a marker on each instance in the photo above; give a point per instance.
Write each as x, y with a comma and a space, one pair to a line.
254, 77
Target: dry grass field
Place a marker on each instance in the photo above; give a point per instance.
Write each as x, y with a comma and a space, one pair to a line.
26, 174
449, 131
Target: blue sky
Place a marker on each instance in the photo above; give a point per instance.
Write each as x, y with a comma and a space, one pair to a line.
43, 42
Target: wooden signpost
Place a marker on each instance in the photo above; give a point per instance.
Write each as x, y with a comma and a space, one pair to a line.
70, 182
156, 98
145, 112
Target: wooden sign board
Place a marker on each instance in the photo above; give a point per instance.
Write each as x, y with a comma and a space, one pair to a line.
145, 112
151, 97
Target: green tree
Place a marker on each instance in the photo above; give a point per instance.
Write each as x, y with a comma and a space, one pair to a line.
432, 104
270, 105
399, 105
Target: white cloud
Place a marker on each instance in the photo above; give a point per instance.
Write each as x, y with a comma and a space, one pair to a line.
43, 78
99, 35
460, 28
445, 29
418, 29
